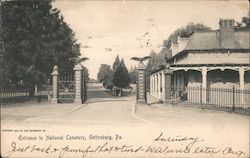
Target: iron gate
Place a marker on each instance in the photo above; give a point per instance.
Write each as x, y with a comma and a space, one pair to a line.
66, 89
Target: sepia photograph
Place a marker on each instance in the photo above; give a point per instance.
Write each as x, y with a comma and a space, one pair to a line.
125, 78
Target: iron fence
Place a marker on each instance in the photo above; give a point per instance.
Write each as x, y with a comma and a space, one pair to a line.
229, 98
25, 94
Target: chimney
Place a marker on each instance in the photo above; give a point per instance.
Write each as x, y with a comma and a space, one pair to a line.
175, 48
226, 33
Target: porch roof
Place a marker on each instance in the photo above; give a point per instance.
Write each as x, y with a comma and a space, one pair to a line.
208, 65
199, 67
213, 66
156, 70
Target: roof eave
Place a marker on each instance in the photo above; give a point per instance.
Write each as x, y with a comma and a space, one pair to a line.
216, 49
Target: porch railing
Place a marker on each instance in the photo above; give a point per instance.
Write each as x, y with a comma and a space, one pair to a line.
218, 97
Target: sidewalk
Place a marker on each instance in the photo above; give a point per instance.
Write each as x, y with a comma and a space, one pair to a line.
189, 116
20, 113
152, 100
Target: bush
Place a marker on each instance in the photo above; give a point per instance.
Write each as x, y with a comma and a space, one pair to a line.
109, 86
104, 84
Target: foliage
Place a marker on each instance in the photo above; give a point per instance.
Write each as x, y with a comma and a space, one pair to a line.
151, 65
121, 76
133, 74
118, 77
105, 74
184, 32
116, 63
35, 39
86, 72
153, 61
244, 24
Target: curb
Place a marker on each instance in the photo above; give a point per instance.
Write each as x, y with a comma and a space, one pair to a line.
75, 109
139, 118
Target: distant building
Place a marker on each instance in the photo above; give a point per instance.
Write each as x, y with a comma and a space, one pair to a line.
211, 59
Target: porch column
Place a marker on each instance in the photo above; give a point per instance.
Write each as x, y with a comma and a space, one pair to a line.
155, 85
149, 84
78, 84
168, 74
241, 77
153, 82
163, 85
55, 79
151, 90
158, 86
204, 84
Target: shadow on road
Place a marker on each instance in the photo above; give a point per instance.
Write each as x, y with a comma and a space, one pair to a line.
96, 93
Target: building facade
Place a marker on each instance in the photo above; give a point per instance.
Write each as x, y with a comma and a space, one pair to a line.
209, 63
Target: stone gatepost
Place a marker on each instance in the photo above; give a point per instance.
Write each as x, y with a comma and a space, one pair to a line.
78, 84
55, 79
141, 85
168, 75
84, 85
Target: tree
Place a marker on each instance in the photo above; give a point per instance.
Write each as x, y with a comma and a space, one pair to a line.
153, 61
246, 21
105, 74
244, 24
161, 57
133, 75
116, 63
101, 73
86, 72
35, 39
167, 53
121, 76
151, 65
184, 32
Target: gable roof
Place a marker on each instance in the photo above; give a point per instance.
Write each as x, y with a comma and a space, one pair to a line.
209, 41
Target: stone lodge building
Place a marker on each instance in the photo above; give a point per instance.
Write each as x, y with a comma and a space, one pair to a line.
208, 66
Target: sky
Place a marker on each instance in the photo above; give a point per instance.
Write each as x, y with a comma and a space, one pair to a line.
130, 28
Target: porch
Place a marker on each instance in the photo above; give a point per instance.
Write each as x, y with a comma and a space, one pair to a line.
216, 85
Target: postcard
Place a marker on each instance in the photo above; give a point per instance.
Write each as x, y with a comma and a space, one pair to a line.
125, 78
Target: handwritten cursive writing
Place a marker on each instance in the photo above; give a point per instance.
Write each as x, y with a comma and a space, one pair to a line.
31, 148
188, 145
176, 138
